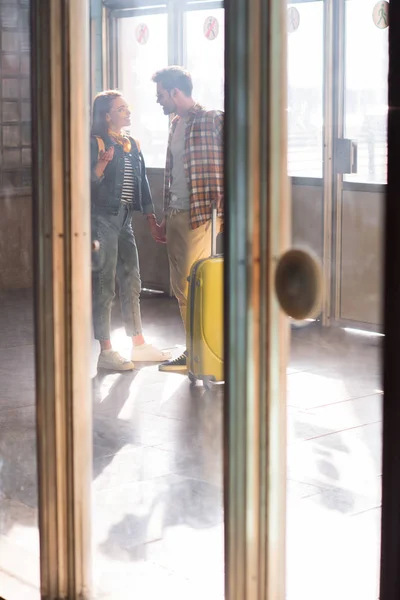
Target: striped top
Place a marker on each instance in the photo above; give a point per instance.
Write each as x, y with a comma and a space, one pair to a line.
128, 195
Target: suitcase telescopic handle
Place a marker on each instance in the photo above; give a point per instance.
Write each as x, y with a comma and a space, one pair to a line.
214, 229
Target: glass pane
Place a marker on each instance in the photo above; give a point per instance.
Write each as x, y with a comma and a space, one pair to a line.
334, 383
143, 50
204, 44
366, 90
157, 441
19, 539
305, 79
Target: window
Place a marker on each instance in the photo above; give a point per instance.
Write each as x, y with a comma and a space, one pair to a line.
204, 44
143, 49
366, 104
305, 96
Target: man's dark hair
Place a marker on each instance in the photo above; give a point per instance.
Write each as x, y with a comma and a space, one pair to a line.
174, 77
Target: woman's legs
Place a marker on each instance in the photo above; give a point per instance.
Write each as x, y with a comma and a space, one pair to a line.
129, 282
128, 274
106, 232
106, 229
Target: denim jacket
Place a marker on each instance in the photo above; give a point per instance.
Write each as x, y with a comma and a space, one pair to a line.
106, 190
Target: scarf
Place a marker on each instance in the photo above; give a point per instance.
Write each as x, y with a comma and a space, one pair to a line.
122, 140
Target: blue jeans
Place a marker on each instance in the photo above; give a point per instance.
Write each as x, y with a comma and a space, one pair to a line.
117, 259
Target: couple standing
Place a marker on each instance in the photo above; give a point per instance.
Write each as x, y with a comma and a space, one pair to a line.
194, 180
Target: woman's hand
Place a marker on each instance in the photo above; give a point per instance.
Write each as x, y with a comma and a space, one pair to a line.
107, 156
104, 159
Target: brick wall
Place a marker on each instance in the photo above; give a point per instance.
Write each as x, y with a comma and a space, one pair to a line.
15, 146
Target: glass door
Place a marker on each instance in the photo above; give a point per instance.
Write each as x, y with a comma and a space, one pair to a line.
334, 379
188, 485
337, 111
361, 162
161, 530
158, 473
305, 112
19, 520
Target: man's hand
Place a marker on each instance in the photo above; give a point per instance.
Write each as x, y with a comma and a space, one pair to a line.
157, 231
163, 231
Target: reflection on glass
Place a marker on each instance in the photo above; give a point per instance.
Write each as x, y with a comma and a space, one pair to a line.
19, 539
366, 72
305, 78
142, 51
204, 54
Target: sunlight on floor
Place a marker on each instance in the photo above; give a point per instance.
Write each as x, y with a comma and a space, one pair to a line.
363, 333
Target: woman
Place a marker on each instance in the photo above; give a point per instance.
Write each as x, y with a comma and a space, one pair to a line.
118, 187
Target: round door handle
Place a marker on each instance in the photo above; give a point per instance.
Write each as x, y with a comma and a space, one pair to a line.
298, 284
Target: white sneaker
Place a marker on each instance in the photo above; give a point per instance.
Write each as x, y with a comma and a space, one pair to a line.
147, 353
110, 360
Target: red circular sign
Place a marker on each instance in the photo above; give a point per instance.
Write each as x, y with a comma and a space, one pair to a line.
142, 34
211, 28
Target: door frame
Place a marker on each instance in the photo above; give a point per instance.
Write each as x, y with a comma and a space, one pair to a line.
62, 297
390, 538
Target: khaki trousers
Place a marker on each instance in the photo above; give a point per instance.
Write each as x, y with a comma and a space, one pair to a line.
185, 246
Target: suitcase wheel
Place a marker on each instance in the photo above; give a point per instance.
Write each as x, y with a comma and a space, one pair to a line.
192, 379
208, 383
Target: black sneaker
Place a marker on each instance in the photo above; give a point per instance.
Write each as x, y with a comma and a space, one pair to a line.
175, 364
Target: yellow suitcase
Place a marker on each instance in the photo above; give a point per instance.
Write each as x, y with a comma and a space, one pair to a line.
205, 318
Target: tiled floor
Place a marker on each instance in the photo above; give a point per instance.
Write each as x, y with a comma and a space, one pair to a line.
334, 466
157, 472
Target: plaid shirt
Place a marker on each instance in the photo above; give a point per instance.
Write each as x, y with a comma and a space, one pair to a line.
203, 163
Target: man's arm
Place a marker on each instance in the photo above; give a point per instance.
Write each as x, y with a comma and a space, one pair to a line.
219, 126
219, 155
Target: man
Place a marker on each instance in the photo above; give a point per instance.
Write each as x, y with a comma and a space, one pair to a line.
194, 180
